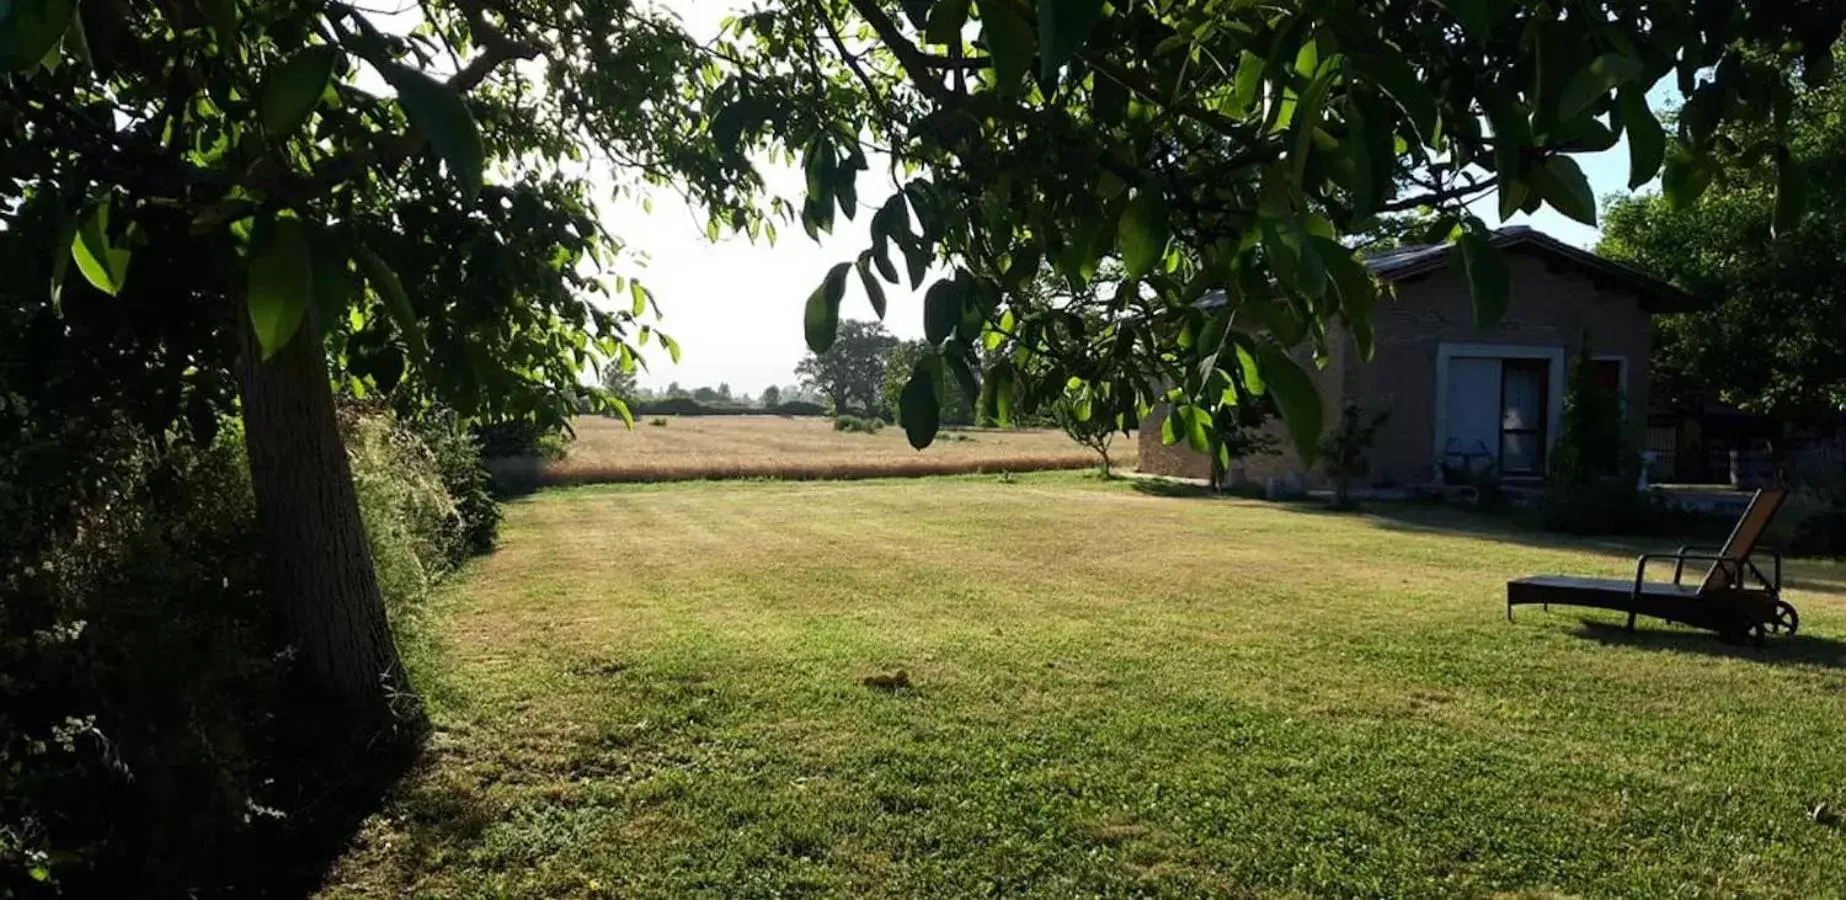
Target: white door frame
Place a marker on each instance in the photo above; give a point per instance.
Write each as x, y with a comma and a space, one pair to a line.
1554, 412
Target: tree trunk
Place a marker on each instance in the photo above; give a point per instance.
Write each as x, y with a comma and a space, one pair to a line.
320, 568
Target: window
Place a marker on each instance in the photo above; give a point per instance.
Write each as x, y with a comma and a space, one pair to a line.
1523, 407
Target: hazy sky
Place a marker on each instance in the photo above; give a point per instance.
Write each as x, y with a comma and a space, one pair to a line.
735, 307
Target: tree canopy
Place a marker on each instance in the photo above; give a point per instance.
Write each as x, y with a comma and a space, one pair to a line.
1226, 146
1770, 340
850, 373
226, 206
203, 205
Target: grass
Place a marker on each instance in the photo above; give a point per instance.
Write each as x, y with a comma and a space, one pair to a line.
660, 691
732, 447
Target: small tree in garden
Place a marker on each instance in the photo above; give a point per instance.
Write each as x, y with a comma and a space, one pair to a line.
1580, 496
1344, 450
1590, 435
1094, 432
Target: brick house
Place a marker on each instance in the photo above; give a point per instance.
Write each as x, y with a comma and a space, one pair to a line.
1464, 396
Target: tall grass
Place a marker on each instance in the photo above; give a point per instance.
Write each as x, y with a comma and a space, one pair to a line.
526, 473
763, 447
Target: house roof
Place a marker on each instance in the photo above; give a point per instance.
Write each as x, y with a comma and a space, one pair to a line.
1656, 296
1406, 263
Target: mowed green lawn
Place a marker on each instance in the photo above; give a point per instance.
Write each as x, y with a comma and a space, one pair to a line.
657, 691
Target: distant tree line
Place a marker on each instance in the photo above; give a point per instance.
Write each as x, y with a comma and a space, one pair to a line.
676, 400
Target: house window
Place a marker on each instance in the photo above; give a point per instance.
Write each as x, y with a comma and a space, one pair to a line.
1524, 404
1497, 405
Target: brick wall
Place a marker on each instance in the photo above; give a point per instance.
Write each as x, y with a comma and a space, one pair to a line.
1552, 306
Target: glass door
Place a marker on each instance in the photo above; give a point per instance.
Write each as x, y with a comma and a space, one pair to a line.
1524, 387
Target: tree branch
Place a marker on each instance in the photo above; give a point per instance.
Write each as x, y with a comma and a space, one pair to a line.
1442, 196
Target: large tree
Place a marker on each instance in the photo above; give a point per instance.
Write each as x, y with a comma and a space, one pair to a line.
226, 207
1770, 340
957, 403
314, 187
1228, 146
850, 372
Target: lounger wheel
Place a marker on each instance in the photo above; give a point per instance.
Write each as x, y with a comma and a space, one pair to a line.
1783, 620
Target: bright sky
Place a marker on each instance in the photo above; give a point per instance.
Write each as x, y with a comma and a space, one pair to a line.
735, 307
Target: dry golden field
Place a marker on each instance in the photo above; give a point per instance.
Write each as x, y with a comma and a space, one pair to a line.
711, 447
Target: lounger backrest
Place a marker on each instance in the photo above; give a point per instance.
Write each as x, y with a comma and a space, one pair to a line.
1744, 538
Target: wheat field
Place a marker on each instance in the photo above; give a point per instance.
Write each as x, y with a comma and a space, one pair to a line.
688, 448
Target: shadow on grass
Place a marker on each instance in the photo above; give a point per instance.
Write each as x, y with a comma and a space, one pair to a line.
1802, 649
1513, 526
1502, 525
318, 787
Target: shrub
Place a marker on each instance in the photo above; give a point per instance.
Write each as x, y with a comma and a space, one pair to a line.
150, 744
1343, 450
457, 454
858, 424
1096, 432
521, 437
411, 523
687, 406
798, 408
140, 670
658, 421
1590, 488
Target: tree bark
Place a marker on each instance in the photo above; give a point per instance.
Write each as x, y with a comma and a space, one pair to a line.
320, 570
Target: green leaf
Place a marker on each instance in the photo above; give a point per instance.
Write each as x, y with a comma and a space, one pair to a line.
821, 322
1248, 87
103, 264
1295, 395
669, 343
874, 292
916, 262
1143, 233
956, 356
1593, 82
1358, 292
30, 31
1685, 178
280, 282
1790, 193
1647, 141
946, 19
917, 407
39, 873
390, 290
1391, 72
292, 90
819, 163
1246, 360
941, 310
997, 389
621, 409
637, 296
1063, 26
1490, 283
1562, 184
1009, 41
438, 111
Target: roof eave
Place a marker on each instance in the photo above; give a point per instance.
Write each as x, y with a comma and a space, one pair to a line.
1657, 297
